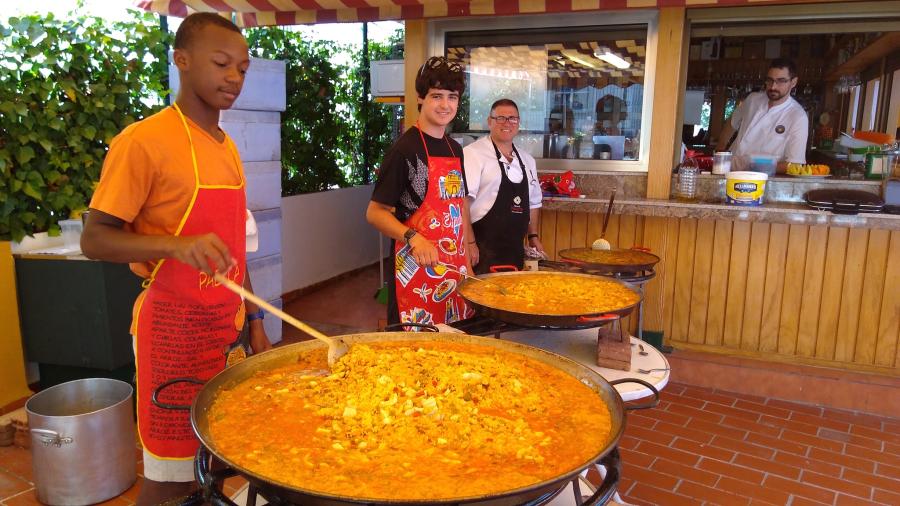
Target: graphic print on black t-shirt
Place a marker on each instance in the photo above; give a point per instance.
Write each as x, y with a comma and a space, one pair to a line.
403, 176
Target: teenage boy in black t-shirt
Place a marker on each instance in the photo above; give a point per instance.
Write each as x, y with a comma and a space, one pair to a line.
420, 202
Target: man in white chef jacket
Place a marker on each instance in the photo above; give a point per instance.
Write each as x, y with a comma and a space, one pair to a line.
504, 193
769, 122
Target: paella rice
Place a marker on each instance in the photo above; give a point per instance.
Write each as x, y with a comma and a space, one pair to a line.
610, 257
411, 420
551, 294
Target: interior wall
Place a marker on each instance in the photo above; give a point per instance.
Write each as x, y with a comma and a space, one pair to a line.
326, 234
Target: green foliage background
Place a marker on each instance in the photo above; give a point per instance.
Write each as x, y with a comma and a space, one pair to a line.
66, 88
322, 128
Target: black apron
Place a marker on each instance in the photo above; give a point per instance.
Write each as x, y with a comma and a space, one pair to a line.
500, 234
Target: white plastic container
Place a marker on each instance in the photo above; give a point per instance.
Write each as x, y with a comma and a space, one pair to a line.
745, 188
763, 163
721, 162
71, 233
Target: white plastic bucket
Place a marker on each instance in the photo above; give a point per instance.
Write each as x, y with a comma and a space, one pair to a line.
745, 188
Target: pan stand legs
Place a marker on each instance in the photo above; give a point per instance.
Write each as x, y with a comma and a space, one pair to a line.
251, 495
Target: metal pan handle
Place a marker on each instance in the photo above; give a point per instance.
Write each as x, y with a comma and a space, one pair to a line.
607, 488
503, 268
399, 327
648, 405
177, 407
598, 318
207, 479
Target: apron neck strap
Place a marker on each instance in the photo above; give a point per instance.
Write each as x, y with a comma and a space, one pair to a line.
425, 144
515, 154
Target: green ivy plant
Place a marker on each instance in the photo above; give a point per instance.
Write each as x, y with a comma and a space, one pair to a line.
321, 128
67, 87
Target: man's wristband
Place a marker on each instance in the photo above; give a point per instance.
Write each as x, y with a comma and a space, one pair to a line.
408, 235
532, 236
259, 315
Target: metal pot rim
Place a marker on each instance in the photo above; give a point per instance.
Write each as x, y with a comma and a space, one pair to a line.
44, 393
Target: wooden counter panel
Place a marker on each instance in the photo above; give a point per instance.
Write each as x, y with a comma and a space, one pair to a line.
815, 294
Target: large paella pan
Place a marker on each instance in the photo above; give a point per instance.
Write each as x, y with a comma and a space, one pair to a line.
550, 299
269, 381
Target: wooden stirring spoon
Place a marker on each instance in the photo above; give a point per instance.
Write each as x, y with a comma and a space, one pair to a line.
337, 348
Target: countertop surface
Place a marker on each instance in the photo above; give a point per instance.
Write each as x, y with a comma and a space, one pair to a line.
776, 212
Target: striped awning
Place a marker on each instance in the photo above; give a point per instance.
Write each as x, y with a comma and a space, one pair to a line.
299, 12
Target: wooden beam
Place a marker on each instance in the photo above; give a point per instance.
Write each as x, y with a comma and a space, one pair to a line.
665, 129
415, 48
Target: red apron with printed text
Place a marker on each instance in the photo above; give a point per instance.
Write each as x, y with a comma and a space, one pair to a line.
186, 323
428, 294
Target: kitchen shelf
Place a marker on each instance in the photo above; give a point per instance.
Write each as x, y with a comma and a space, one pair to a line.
877, 49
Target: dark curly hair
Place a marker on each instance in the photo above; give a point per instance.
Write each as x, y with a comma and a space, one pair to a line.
439, 72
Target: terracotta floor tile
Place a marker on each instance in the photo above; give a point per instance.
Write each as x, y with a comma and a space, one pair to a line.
11, 485
767, 466
16, 461
686, 473
646, 494
842, 486
22, 499
888, 471
801, 489
132, 493
795, 406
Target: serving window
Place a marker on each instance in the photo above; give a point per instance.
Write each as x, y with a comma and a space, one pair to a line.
845, 68
581, 91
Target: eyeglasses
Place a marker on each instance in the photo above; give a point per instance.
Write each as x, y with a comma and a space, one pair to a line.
513, 120
781, 81
436, 62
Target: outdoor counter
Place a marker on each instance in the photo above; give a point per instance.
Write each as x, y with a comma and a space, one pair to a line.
781, 282
790, 213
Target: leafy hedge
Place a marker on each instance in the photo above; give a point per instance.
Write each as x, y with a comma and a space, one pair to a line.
322, 128
66, 88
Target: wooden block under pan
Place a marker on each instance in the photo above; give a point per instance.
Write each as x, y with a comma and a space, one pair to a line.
613, 348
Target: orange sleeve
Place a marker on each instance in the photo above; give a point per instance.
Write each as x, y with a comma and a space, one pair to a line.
126, 179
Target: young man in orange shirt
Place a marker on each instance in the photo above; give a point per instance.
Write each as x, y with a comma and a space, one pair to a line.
171, 201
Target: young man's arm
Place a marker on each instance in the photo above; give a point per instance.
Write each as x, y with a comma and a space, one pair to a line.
382, 218
104, 238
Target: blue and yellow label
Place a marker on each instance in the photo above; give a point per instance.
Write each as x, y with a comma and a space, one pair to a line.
744, 192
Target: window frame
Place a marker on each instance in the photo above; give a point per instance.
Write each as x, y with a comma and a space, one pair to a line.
436, 37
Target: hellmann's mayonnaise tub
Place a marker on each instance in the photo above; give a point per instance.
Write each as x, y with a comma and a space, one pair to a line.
745, 188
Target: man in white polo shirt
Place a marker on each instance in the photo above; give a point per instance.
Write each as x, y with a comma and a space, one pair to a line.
504, 193
770, 122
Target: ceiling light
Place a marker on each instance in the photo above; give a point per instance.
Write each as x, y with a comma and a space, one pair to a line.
613, 59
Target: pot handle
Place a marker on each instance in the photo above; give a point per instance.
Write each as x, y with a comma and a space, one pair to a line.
598, 318
399, 326
503, 268
607, 488
648, 405
178, 407
51, 437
